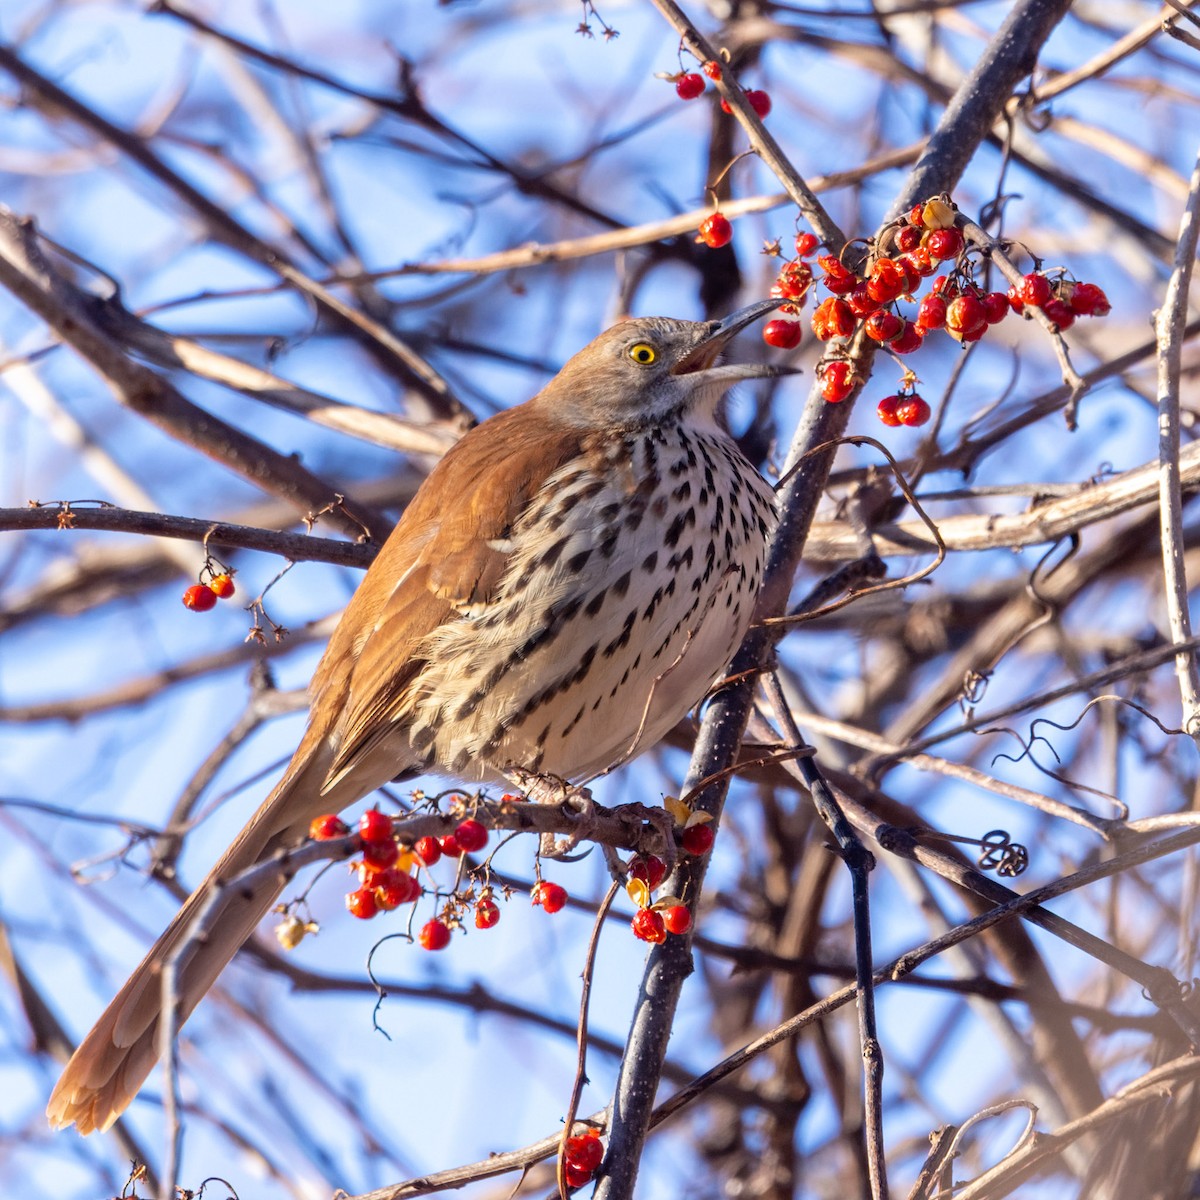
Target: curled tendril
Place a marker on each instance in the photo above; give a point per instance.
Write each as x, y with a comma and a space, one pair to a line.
1178, 989
998, 852
974, 688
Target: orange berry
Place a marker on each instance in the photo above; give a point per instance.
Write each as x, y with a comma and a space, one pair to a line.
362, 903
199, 598
329, 826
434, 935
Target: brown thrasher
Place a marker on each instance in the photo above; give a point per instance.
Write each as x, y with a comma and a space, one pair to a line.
571, 578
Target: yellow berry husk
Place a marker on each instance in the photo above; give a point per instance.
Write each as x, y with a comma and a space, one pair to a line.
937, 214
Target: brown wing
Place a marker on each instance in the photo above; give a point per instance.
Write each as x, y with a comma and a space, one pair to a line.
445, 556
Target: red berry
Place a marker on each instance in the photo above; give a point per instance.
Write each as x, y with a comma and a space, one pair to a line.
471, 836
434, 935
651, 870
887, 281
222, 586
806, 243
837, 382
380, 855
677, 919
487, 914
908, 237
394, 888
550, 896
329, 826
585, 1151
576, 1177
1014, 299
199, 597
1035, 289
712, 69
833, 318
920, 261
907, 340
648, 926
716, 231
910, 274
912, 410
450, 846
1089, 300
782, 333
838, 278
428, 850
760, 102
362, 904
794, 280
916, 215
886, 410
944, 243
932, 313
995, 307
859, 301
698, 839
965, 315
883, 325
1059, 313
374, 826
689, 86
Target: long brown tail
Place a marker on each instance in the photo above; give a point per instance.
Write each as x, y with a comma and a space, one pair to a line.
112, 1062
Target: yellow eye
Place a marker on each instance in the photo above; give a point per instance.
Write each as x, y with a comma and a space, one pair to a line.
643, 353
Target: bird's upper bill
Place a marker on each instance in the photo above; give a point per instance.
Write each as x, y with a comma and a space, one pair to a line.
703, 355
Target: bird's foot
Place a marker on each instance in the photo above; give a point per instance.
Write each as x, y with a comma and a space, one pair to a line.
577, 801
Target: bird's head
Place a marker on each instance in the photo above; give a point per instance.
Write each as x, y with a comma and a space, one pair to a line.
647, 370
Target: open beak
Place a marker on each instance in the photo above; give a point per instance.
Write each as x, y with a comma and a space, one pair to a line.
700, 358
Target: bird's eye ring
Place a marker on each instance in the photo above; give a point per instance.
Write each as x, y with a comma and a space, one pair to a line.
643, 354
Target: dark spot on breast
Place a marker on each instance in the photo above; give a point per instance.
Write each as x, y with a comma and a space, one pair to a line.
623, 638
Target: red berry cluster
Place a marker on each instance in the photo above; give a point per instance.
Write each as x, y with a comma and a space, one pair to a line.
201, 597
652, 922
904, 408
917, 247
383, 883
690, 86
386, 877
758, 100
1061, 299
584, 1153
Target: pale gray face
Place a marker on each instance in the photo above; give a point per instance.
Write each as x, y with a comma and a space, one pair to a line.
649, 369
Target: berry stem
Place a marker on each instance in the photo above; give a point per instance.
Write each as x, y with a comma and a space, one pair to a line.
581, 1035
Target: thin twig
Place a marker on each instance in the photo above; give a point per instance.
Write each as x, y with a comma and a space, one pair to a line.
1169, 324
581, 1036
860, 862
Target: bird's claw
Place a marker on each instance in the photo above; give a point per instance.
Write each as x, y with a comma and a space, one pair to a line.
574, 801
